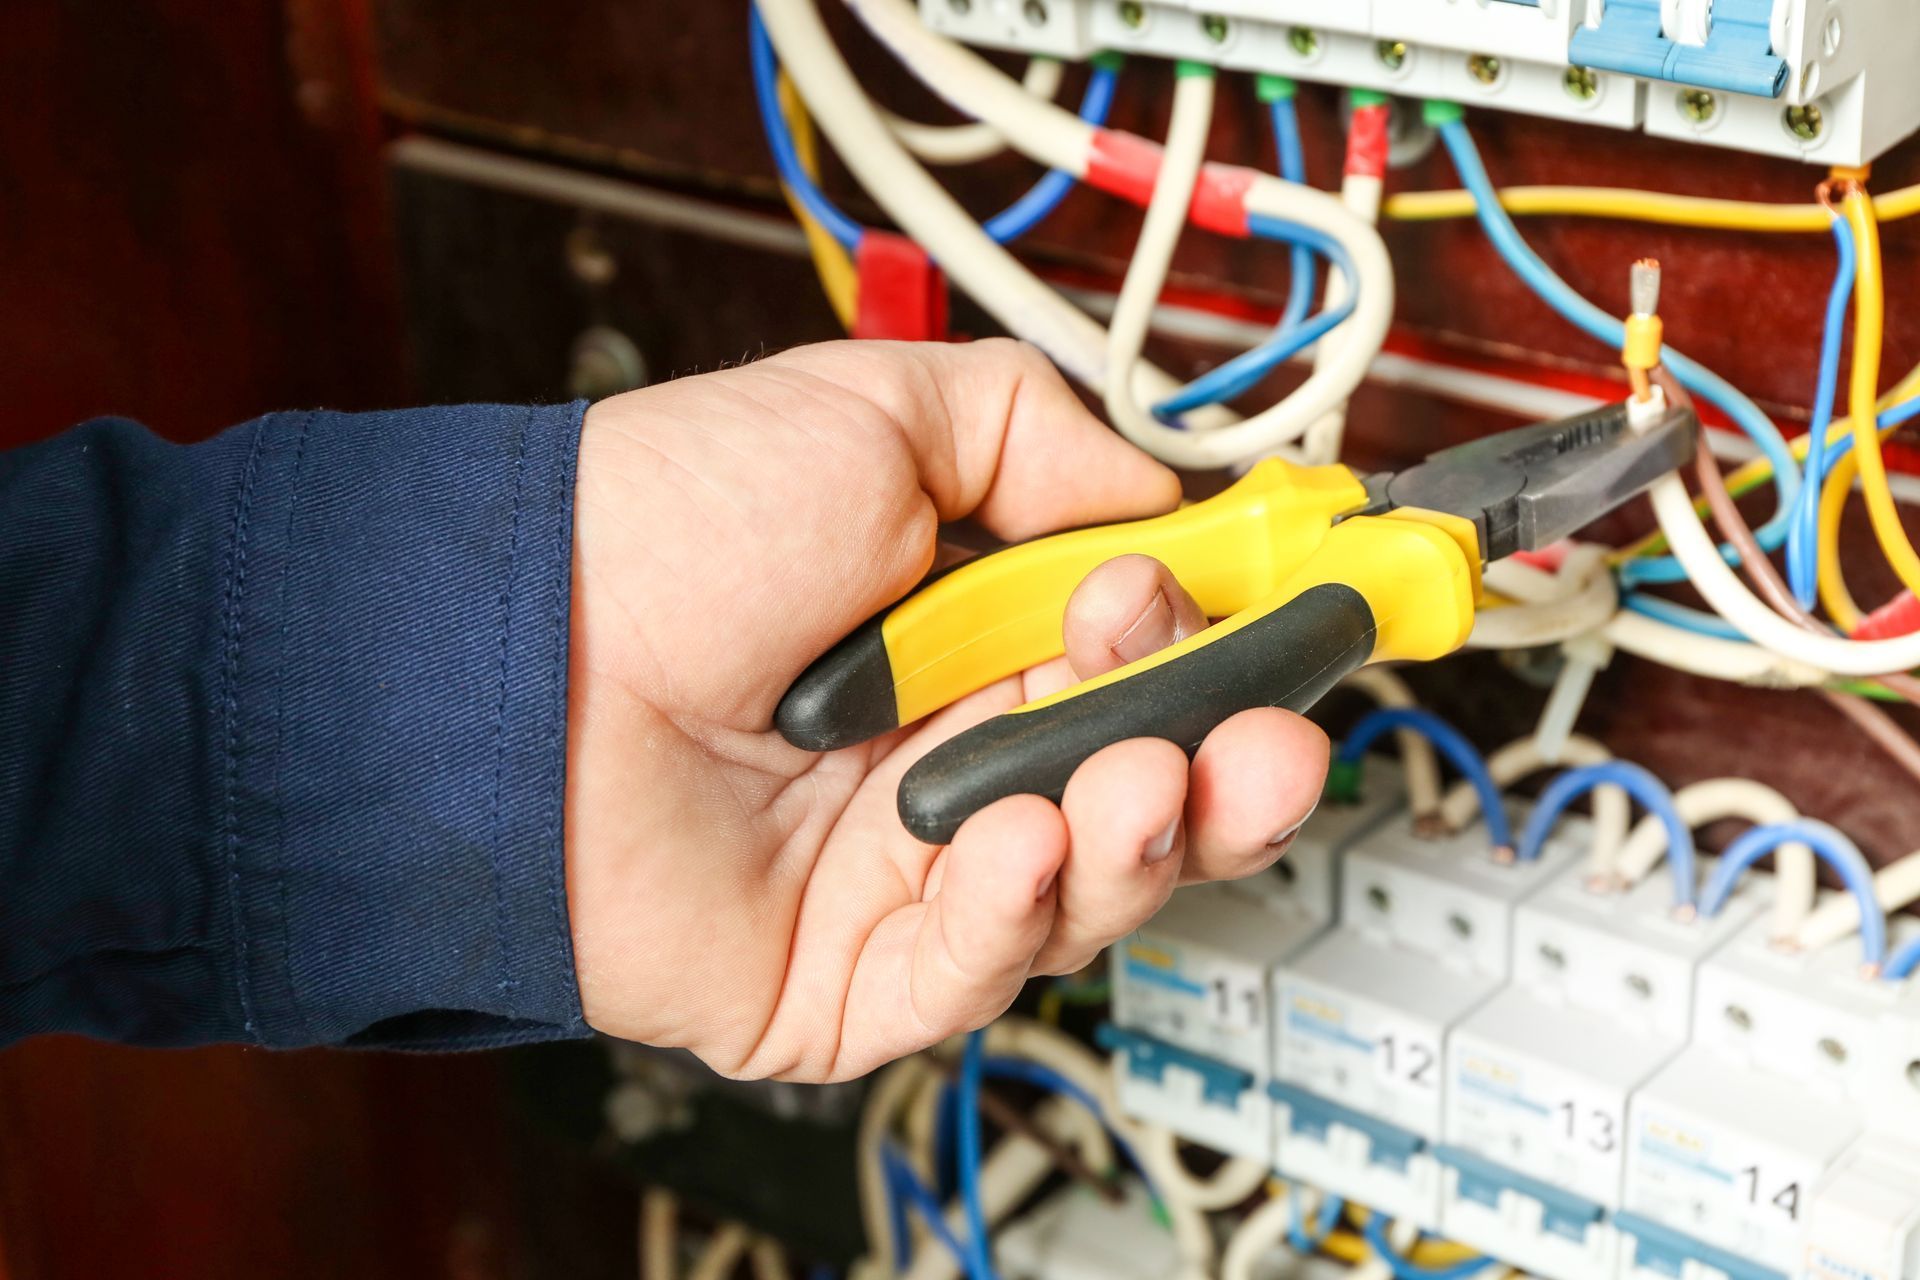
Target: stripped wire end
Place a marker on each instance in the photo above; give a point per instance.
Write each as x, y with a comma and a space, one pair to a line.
1640, 351
1645, 287
1605, 884
1686, 914
1504, 855
1871, 972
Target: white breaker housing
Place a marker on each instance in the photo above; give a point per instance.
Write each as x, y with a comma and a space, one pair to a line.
1539, 1077
1189, 1038
1362, 1015
1794, 1057
1826, 81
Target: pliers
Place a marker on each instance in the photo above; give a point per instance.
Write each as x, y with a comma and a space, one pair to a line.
1316, 572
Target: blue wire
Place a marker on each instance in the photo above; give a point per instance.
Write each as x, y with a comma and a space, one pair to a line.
821, 1271
1242, 373
1679, 615
906, 1185
1005, 227
1642, 786
766, 89
1712, 624
1331, 1207
1293, 333
1602, 327
1452, 744
1406, 1268
1293, 168
1803, 544
897, 1225
1902, 964
979, 1253
1833, 848
1024, 214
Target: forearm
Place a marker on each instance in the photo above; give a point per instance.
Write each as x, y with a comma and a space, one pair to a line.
282, 731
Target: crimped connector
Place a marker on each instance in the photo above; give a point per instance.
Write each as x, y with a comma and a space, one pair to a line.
1645, 334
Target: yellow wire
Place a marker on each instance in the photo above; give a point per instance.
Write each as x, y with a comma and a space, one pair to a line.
1644, 206
1869, 324
830, 259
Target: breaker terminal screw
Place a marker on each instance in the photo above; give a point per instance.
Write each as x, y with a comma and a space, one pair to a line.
1913, 1073
961, 7
1554, 957
1461, 926
1581, 83
1698, 105
1379, 899
1392, 54
1739, 1017
1133, 14
1640, 986
1484, 67
1036, 13
1833, 1050
1304, 41
1216, 27
1806, 122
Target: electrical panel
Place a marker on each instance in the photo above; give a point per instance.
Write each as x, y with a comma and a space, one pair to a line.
1729, 1143
1826, 81
1362, 1016
1191, 1001
1538, 1079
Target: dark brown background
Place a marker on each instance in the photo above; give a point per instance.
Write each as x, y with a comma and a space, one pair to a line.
197, 226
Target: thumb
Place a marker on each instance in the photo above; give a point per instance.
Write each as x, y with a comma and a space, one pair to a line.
1125, 610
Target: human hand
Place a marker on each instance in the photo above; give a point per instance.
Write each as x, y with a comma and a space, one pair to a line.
762, 905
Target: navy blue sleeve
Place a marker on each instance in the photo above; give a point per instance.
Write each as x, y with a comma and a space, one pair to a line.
282, 731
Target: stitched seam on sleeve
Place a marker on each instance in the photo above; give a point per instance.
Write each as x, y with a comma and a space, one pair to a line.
289, 553
496, 814
552, 831
233, 594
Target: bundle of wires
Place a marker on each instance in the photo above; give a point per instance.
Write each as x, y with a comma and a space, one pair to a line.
1294, 332
1007, 226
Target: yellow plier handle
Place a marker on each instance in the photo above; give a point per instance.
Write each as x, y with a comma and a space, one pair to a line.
1001, 613
1377, 588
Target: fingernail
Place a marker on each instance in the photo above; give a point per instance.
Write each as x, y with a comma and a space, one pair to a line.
1151, 632
1286, 837
1046, 886
1161, 845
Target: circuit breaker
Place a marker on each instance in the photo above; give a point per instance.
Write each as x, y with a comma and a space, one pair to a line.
1190, 1037
1727, 1144
1538, 1079
1363, 1015
1826, 81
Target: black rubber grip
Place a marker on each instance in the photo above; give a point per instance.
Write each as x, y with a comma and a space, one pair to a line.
1288, 658
845, 697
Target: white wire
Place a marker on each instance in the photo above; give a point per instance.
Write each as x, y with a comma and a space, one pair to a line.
1059, 139
892, 1089
1554, 607
1896, 887
1186, 151
769, 1261
1716, 799
722, 1254
1419, 764
924, 210
1361, 193
1612, 810
1711, 575
659, 1235
1260, 1232
970, 143
1227, 1186
1043, 131
1710, 656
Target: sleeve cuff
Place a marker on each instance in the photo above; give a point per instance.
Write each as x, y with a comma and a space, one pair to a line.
395, 688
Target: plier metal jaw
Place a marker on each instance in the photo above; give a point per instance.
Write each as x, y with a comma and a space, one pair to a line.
1315, 572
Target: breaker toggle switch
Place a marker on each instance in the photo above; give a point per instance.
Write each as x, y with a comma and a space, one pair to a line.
1735, 52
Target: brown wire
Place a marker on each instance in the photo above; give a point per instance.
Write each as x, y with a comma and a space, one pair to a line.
1767, 583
